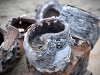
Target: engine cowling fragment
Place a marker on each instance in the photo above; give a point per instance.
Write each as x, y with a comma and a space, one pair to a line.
51, 49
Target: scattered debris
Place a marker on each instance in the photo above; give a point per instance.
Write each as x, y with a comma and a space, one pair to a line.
55, 45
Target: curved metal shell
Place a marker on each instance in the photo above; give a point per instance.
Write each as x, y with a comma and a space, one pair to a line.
49, 9
47, 45
82, 24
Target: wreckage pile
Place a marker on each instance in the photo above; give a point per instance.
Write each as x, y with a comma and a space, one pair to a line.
53, 45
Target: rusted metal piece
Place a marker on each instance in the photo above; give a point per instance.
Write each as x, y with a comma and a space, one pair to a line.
8, 42
11, 36
37, 40
21, 23
49, 9
82, 24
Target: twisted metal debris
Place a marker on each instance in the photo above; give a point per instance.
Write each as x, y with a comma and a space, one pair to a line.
7, 47
55, 45
51, 49
82, 24
47, 45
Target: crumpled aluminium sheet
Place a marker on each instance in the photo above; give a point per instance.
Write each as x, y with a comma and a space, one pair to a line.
83, 25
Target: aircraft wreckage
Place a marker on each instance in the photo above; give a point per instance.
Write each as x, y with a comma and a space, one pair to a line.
55, 45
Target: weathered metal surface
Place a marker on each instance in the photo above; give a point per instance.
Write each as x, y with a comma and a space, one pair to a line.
12, 35
8, 49
82, 24
45, 43
21, 23
49, 9
49, 41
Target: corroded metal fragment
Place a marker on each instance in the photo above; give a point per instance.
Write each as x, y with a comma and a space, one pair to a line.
21, 23
49, 9
8, 42
82, 24
51, 49
47, 45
